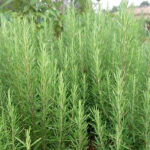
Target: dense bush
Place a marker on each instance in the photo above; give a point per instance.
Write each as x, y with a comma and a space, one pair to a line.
90, 86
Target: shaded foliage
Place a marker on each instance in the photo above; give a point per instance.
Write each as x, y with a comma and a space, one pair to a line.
144, 3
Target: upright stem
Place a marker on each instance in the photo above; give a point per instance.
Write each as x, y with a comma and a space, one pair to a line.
28, 63
12, 120
63, 7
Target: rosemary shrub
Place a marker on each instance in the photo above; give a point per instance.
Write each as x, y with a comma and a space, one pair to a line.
86, 88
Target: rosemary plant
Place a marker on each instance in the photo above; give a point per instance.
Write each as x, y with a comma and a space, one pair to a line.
98, 60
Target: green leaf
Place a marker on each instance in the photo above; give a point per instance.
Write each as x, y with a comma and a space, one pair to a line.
35, 142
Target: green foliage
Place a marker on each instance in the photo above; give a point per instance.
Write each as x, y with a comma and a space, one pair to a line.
79, 132
37, 10
146, 112
99, 129
86, 88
